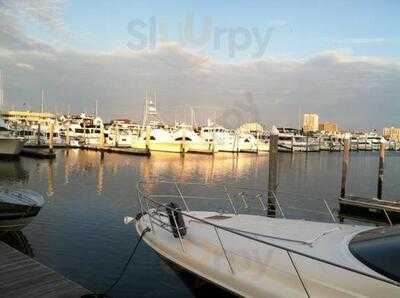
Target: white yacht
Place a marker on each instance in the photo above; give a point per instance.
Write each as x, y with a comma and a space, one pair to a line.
122, 133
193, 142
158, 139
226, 140
375, 140
259, 256
10, 145
84, 130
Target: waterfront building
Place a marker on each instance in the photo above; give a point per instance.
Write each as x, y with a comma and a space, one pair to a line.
310, 122
28, 118
392, 133
329, 127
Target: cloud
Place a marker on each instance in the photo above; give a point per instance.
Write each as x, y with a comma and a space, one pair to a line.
13, 14
25, 66
340, 87
357, 92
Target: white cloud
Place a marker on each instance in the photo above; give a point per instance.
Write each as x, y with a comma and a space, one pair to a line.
25, 66
339, 87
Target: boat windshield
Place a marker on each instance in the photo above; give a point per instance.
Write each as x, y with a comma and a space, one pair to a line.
379, 250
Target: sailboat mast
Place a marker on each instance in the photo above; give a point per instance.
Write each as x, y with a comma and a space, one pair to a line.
1, 89
42, 105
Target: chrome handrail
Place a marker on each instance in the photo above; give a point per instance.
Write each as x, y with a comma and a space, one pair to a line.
149, 198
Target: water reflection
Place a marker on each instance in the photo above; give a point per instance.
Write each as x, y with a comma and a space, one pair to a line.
50, 178
18, 241
198, 286
13, 171
208, 168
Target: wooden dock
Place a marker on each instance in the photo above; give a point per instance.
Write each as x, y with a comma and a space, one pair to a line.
121, 150
38, 153
22, 276
371, 209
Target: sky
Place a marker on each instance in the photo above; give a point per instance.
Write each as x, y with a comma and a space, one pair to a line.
233, 61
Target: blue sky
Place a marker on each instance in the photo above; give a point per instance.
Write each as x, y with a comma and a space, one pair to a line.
365, 28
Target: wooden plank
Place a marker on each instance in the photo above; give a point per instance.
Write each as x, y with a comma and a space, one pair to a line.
22, 276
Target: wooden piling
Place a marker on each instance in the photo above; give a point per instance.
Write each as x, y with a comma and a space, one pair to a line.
148, 137
380, 170
38, 135
345, 165
272, 173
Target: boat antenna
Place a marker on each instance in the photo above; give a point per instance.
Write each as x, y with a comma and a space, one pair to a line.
96, 109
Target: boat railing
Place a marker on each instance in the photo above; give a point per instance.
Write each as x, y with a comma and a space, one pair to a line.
150, 205
239, 199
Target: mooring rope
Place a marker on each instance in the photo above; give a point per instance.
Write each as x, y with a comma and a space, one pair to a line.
105, 293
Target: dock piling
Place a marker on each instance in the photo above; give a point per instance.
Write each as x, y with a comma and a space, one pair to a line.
273, 172
380, 170
51, 131
345, 165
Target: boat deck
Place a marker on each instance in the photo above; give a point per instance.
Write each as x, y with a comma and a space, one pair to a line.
22, 276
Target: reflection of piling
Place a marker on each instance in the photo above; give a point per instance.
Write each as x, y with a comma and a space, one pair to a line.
67, 136
272, 174
51, 137
345, 165
380, 170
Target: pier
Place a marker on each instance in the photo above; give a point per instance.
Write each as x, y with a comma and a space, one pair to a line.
366, 209
40, 153
22, 276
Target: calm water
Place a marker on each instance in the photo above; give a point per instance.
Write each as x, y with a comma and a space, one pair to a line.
80, 231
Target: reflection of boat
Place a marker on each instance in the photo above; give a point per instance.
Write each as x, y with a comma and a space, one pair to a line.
18, 241
198, 286
259, 256
10, 145
18, 208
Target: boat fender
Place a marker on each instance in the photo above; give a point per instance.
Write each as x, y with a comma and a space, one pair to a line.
176, 220
139, 215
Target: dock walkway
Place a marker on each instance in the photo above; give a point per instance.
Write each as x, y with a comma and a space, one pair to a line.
22, 276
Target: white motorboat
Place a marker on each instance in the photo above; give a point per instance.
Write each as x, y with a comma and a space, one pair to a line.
259, 256
10, 145
158, 139
375, 140
18, 207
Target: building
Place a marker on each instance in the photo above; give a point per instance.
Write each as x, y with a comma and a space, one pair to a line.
329, 127
391, 133
310, 122
28, 118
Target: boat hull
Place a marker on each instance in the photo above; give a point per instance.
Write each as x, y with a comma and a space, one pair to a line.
11, 147
16, 217
257, 270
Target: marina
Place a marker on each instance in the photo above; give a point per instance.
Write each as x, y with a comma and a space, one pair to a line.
106, 191
199, 149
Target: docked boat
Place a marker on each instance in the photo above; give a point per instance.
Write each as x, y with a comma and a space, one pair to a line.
84, 130
159, 139
375, 140
193, 142
260, 256
18, 208
10, 145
